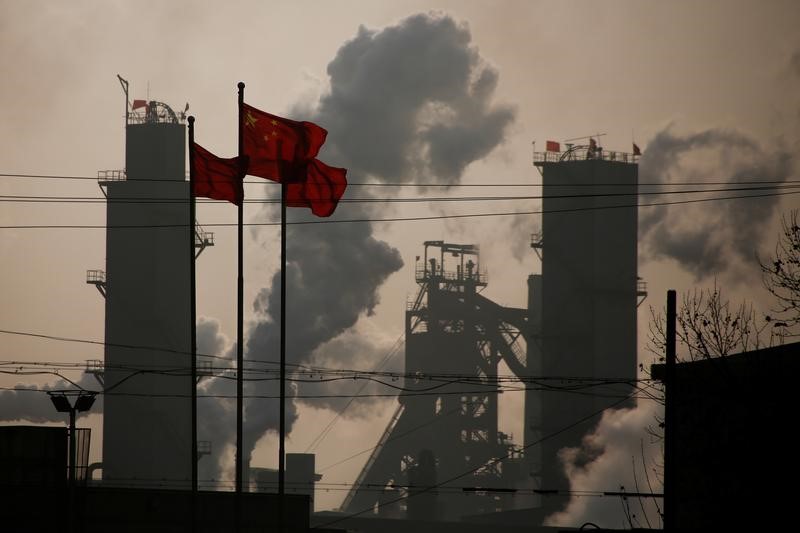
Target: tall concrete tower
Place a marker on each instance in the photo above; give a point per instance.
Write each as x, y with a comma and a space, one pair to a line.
583, 306
147, 414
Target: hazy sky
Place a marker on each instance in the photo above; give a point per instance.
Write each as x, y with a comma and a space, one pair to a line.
710, 88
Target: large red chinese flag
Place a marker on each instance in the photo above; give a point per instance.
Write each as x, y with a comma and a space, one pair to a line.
217, 178
320, 188
278, 148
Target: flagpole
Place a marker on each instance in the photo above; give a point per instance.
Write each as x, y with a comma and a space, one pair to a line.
282, 408
193, 320
240, 337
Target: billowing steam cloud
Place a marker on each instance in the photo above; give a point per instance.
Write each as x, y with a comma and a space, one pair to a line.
707, 241
618, 456
409, 101
215, 414
333, 275
355, 349
412, 100
216, 410
34, 406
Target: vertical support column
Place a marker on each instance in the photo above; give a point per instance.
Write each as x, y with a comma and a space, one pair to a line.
669, 415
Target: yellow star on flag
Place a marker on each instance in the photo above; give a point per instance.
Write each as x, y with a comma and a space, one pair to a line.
274, 122
250, 119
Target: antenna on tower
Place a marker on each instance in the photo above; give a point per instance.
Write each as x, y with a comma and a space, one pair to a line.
596, 135
124, 83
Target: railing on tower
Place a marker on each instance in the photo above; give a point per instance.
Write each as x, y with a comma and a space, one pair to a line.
98, 279
641, 291
202, 239
583, 153
156, 113
422, 274
105, 176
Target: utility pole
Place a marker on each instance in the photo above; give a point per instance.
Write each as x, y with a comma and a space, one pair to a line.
669, 415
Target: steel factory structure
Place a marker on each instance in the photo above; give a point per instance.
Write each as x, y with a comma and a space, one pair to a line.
579, 328
574, 347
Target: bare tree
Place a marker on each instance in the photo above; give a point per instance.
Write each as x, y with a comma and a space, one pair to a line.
708, 326
781, 276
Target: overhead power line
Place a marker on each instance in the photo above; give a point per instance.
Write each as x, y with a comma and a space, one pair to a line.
403, 219
743, 181
451, 489
465, 392
300, 369
473, 470
367, 200
556, 383
329, 427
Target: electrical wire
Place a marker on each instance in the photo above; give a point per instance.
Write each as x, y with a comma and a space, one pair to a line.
744, 180
473, 470
422, 199
129, 346
329, 427
339, 486
579, 386
412, 430
328, 486
409, 394
400, 219
300, 369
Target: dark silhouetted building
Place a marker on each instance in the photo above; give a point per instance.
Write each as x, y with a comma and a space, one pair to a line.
732, 464
36, 496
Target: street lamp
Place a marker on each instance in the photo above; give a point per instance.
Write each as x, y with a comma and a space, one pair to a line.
83, 402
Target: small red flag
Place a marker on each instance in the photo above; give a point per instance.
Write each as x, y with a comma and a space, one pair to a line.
217, 178
553, 146
320, 189
139, 103
636, 150
278, 148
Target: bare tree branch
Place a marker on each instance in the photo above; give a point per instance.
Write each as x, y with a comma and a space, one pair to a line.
708, 326
781, 277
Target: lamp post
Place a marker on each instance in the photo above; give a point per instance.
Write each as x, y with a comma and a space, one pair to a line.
83, 402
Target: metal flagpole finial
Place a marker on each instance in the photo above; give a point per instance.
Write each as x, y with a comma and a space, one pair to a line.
190, 120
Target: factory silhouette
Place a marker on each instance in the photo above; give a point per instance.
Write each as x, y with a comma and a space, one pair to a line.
441, 463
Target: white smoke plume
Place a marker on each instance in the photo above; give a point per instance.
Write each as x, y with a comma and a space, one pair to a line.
216, 404
407, 102
684, 233
33, 405
621, 455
